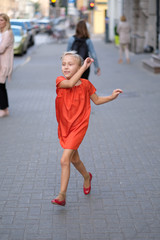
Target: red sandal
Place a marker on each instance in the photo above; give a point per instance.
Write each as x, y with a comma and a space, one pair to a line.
56, 201
87, 190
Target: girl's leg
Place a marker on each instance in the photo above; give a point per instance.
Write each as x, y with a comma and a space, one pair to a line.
78, 164
65, 172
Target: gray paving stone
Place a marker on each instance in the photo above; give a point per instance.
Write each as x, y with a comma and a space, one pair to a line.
121, 149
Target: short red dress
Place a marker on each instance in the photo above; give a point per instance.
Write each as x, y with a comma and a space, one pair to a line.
73, 111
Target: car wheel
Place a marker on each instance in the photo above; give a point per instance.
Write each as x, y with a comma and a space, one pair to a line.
32, 41
25, 50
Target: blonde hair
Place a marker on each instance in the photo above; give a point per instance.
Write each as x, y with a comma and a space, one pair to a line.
7, 20
73, 54
123, 19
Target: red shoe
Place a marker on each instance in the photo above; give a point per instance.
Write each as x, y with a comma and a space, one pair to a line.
56, 201
87, 190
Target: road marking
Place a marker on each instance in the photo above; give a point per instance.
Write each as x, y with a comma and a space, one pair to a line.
26, 61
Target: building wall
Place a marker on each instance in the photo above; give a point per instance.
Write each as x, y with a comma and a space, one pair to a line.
151, 33
17, 9
99, 16
23, 8
141, 15
44, 7
114, 13
9, 7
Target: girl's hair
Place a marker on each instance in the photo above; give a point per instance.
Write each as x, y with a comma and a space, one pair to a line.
123, 19
73, 54
6, 18
81, 30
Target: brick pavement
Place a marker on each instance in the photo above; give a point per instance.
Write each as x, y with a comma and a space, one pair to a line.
121, 149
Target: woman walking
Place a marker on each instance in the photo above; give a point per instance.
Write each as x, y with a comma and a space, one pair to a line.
6, 61
124, 39
83, 45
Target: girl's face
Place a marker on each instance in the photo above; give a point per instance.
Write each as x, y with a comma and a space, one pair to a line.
70, 65
2, 23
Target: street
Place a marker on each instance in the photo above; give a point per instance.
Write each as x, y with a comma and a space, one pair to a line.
39, 40
121, 150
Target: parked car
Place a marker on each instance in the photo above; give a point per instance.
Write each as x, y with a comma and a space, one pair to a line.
20, 40
59, 28
19, 22
59, 20
45, 25
35, 25
30, 30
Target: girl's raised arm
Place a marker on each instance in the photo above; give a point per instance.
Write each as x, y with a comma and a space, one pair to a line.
75, 78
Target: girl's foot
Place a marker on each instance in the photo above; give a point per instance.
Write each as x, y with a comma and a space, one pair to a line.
60, 199
87, 184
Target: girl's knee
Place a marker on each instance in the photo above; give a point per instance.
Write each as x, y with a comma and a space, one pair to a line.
65, 161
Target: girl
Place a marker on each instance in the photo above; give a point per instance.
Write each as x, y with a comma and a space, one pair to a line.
6, 61
72, 112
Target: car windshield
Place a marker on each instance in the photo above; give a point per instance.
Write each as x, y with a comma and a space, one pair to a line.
28, 25
16, 32
18, 24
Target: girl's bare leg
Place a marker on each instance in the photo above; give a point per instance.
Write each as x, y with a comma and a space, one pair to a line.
78, 164
65, 172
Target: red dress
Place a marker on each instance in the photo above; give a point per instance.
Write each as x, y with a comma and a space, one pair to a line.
73, 111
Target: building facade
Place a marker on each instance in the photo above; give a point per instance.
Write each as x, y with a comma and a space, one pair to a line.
23, 8
142, 16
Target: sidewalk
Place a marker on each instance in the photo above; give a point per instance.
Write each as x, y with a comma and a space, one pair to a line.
121, 150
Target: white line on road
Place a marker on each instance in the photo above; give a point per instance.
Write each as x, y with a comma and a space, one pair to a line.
26, 61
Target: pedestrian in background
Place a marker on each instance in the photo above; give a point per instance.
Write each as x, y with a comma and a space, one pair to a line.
6, 61
73, 111
83, 45
116, 36
124, 39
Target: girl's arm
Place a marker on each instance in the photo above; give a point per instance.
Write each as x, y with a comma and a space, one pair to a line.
100, 100
73, 80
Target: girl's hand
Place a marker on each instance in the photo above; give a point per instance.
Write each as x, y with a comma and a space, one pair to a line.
87, 62
115, 93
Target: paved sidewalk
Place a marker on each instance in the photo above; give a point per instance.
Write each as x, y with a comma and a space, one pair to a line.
121, 149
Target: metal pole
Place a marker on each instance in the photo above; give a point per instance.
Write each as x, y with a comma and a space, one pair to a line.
157, 27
